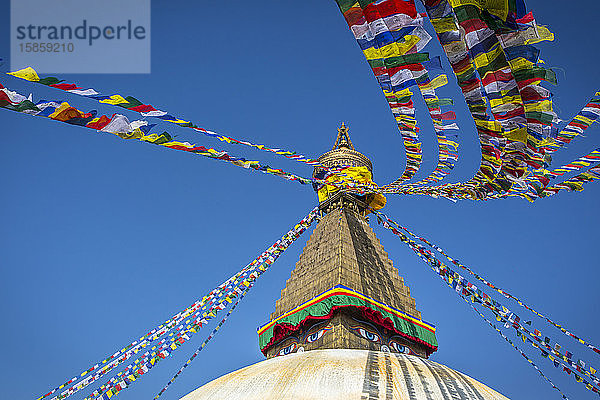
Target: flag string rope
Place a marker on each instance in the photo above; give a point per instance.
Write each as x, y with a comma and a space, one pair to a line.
503, 314
141, 366
494, 287
589, 114
133, 104
149, 360
162, 352
143, 344
120, 126
491, 324
540, 181
151, 336
146, 110
217, 299
199, 349
575, 183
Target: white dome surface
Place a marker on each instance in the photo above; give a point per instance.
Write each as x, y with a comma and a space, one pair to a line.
345, 375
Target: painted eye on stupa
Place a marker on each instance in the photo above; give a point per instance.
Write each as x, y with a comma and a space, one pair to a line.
317, 335
367, 334
399, 348
287, 350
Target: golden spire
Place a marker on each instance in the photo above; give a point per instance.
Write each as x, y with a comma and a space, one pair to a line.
343, 154
343, 139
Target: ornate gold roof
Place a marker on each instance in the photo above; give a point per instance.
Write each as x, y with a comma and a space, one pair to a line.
343, 153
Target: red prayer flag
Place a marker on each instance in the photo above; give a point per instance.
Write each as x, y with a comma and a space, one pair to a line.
143, 108
65, 86
526, 18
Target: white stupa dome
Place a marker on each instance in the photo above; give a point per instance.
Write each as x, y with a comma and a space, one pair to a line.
342, 374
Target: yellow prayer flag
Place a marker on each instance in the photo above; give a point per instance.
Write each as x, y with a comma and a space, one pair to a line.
442, 25
490, 125
506, 100
403, 93
114, 100
485, 59
224, 139
543, 34
544, 105
176, 143
177, 121
519, 63
498, 8
60, 109
28, 74
393, 49
583, 119
518, 135
436, 82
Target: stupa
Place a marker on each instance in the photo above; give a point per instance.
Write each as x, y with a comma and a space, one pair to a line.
346, 326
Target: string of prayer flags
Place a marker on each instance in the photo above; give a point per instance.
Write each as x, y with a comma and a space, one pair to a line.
145, 110
195, 317
391, 36
133, 104
574, 184
120, 126
112, 391
258, 266
586, 117
453, 280
443, 21
477, 296
490, 323
500, 88
199, 349
539, 182
495, 61
494, 287
447, 149
467, 290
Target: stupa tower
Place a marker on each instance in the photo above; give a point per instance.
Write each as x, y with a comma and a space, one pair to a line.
346, 326
345, 292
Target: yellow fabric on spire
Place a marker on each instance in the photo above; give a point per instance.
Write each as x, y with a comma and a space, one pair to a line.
358, 175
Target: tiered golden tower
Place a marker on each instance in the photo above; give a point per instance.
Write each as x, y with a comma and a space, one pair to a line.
344, 292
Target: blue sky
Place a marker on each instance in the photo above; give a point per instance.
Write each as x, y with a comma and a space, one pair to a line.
102, 239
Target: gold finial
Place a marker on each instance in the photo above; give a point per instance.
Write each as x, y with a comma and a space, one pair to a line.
343, 138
